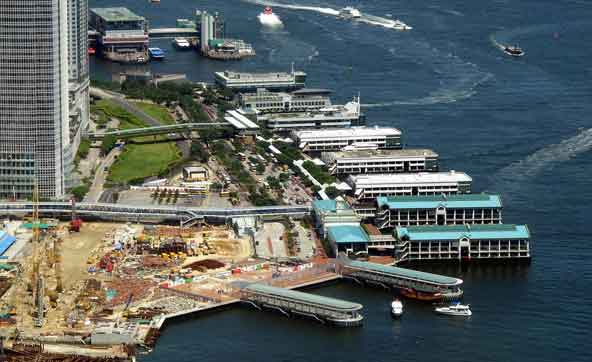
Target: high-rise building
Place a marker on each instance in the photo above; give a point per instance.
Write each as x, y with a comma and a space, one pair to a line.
79, 83
43, 72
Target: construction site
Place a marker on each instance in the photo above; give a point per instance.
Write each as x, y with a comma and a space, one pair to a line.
101, 291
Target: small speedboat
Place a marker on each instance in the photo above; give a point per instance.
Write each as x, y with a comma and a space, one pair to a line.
458, 310
514, 51
349, 12
396, 308
156, 53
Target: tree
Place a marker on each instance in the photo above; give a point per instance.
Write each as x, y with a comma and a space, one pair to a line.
260, 168
79, 192
199, 151
332, 192
108, 144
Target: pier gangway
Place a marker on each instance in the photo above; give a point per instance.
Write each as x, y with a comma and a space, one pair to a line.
448, 288
290, 302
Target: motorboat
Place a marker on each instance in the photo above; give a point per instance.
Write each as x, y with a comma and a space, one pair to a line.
458, 310
399, 25
396, 308
349, 12
514, 51
156, 53
181, 43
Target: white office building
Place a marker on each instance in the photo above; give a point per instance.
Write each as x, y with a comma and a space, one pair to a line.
338, 116
380, 161
336, 139
369, 187
302, 100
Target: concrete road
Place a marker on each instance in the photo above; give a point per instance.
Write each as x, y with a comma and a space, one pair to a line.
96, 189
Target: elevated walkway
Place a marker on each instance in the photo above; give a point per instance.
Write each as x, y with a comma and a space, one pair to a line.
148, 213
288, 302
401, 278
155, 130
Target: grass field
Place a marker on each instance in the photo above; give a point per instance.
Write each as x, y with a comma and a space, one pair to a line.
106, 108
148, 156
143, 160
157, 111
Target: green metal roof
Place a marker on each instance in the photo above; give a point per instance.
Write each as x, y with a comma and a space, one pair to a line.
117, 14
325, 302
457, 232
406, 273
324, 205
463, 201
347, 234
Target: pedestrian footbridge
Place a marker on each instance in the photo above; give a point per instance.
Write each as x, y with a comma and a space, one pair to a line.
149, 213
401, 278
290, 302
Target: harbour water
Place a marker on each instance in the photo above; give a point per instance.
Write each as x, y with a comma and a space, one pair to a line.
519, 127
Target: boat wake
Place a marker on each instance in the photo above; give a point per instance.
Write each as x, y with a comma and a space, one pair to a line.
327, 11
459, 79
546, 158
365, 18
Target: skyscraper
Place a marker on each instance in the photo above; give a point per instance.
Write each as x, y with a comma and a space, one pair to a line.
79, 83
41, 82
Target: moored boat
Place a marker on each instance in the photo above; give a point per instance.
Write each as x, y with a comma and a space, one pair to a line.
425, 296
456, 310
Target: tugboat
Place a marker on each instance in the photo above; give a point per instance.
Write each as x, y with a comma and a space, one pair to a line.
396, 308
456, 310
514, 51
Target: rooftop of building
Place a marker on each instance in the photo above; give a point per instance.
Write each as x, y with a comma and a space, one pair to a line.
341, 234
279, 76
465, 201
348, 109
195, 169
410, 178
403, 153
406, 273
457, 232
117, 14
353, 132
326, 302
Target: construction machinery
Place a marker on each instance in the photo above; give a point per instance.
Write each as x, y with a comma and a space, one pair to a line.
75, 222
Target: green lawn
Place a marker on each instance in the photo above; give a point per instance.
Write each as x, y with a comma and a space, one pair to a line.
157, 111
139, 160
106, 108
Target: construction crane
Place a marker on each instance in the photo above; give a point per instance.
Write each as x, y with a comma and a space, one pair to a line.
37, 282
76, 222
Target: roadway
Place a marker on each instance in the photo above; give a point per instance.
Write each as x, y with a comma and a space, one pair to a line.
96, 189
